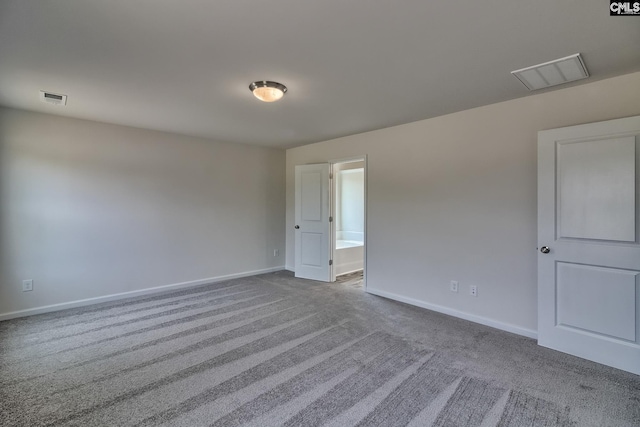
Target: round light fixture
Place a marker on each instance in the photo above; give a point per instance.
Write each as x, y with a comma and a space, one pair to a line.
268, 91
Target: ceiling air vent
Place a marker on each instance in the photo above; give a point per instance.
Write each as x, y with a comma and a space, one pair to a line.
553, 73
53, 98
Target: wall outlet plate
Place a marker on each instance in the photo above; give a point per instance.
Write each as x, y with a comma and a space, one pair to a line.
473, 290
27, 285
454, 286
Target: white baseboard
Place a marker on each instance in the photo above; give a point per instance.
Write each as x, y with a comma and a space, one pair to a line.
455, 313
123, 295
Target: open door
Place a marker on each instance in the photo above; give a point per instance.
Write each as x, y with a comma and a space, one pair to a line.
589, 242
312, 234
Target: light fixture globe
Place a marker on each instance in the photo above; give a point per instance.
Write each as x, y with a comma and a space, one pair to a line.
268, 91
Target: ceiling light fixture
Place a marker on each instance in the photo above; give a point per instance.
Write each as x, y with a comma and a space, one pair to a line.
268, 91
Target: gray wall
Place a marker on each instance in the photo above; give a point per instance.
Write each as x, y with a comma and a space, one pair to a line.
90, 209
454, 198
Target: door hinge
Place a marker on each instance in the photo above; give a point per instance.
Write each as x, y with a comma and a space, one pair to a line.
330, 219
331, 176
330, 262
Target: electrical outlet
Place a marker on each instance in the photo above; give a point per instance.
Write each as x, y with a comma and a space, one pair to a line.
473, 290
27, 285
276, 252
454, 286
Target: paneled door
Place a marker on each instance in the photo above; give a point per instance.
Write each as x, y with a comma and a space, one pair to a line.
588, 241
312, 228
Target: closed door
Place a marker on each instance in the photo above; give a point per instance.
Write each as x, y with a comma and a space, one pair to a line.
589, 245
312, 228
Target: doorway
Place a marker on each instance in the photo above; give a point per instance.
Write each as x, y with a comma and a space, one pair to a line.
324, 192
349, 221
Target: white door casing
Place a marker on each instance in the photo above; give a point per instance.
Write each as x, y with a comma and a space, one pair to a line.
589, 219
312, 233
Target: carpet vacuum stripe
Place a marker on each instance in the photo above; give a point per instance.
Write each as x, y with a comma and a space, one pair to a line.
523, 409
469, 404
69, 323
272, 350
164, 313
238, 372
27, 325
357, 386
109, 367
107, 349
326, 369
247, 313
253, 327
354, 357
134, 328
413, 395
296, 331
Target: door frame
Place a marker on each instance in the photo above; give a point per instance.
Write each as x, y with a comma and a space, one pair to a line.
333, 162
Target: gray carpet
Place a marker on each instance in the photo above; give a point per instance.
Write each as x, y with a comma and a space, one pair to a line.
355, 279
271, 350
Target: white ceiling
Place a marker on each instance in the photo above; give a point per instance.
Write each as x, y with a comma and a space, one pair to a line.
184, 66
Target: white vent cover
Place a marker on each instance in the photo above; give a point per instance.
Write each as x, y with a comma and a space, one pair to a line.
553, 73
53, 98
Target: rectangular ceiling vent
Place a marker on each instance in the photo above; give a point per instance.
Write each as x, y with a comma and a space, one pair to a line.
53, 98
560, 71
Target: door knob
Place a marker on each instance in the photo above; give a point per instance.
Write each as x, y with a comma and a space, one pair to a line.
545, 249
297, 226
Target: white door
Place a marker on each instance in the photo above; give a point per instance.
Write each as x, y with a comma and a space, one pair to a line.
588, 238
313, 235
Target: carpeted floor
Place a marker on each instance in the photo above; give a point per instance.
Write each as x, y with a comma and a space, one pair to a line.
355, 279
273, 350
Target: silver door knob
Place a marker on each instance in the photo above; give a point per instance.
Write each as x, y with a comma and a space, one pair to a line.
297, 226
545, 249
